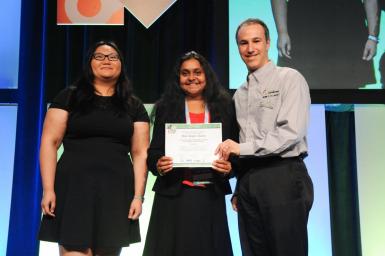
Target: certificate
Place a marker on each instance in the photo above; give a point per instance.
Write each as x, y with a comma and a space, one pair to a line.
192, 145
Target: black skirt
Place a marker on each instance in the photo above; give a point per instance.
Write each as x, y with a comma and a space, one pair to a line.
192, 223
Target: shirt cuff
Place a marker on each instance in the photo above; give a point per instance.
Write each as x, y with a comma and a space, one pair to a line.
247, 148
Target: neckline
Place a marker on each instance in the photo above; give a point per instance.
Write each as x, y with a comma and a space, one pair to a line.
197, 114
103, 97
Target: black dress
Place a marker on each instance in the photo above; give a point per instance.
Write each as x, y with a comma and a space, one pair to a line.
328, 39
187, 220
94, 182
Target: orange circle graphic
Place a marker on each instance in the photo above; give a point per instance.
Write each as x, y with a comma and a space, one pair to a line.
89, 8
62, 17
117, 18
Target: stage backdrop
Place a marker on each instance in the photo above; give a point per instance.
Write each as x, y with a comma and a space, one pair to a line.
370, 138
52, 58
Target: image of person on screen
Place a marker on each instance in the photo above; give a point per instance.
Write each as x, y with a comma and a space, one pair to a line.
189, 212
328, 41
381, 68
274, 192
92, 197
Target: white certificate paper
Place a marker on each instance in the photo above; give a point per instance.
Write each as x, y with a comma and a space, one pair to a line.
192, 145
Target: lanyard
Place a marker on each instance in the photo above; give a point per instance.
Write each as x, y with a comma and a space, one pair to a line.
187, 113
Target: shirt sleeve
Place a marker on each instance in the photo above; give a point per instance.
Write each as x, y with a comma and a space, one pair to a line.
140, 114
62, 99
292, 122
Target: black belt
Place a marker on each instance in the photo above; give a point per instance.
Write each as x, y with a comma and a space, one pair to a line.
197, 174
254, 161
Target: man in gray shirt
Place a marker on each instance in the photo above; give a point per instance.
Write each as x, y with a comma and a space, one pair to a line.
274, 192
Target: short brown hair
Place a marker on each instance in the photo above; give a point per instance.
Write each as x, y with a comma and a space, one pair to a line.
251, 21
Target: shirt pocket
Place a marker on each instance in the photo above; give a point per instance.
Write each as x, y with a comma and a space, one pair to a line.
266, 104
269, 101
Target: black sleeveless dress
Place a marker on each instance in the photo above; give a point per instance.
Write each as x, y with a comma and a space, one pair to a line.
94, 182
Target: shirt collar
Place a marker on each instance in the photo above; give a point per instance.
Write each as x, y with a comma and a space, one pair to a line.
262, 73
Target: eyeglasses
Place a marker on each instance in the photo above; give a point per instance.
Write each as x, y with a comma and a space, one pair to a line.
110, 57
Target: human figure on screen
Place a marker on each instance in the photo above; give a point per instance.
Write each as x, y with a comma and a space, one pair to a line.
189, 212
274, 192
382, 70
382, 5
328, 40
92, 197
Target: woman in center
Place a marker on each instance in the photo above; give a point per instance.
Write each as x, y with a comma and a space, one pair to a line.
189, 210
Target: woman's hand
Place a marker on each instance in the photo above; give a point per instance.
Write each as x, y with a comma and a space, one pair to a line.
135, 209
222, 166
48, 203
164, 165
234, 203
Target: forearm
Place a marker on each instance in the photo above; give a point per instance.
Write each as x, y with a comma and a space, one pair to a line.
140, 172
273, 143
280, 15
373, 17
54, 128
48, 161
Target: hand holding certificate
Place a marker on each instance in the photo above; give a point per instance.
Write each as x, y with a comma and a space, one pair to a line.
192, 145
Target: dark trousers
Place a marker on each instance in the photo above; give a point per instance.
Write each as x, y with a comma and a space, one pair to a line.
274, 199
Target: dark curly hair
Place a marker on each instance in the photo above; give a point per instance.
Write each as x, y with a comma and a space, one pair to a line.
216, 97
84, 90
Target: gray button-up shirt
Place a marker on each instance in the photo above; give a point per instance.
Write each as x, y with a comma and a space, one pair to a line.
273, 112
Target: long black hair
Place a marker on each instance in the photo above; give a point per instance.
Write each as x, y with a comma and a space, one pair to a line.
84, 90
215, 96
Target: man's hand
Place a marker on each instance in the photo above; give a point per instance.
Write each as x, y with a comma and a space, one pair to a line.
370, 50
226, 148
284, 45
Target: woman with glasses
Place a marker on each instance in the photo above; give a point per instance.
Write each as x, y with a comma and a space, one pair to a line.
189, 211
92, 197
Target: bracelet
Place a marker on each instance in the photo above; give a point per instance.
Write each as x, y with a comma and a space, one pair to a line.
373, 38
140, 198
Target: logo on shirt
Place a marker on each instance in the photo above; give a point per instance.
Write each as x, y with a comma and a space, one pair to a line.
267, 101
269, 94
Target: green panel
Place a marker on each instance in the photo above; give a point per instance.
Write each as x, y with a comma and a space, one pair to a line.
370, 140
